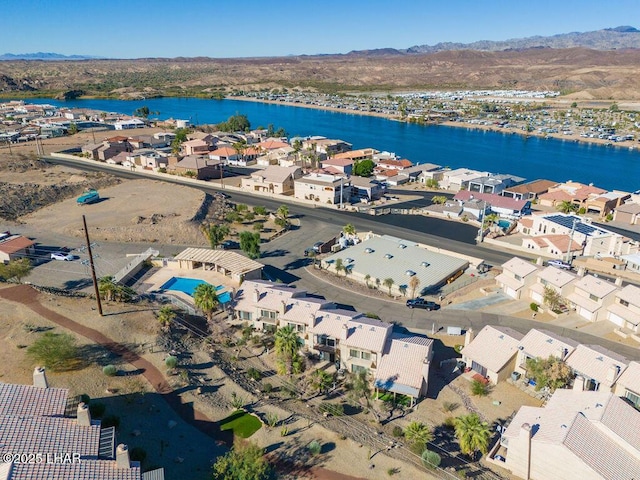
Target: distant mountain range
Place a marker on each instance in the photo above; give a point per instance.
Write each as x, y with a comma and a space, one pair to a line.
607, 39
45, 56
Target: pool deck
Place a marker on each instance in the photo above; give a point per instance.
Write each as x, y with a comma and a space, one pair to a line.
162, 276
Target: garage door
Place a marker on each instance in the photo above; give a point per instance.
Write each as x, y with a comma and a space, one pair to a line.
512, 293
584, 313
536, 297
616, 319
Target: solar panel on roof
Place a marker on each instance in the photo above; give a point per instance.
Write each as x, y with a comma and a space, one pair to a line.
581, 227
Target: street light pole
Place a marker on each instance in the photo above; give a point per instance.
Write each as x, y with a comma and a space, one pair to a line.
481, 232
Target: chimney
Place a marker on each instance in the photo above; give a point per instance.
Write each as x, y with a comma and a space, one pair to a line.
40, 378
612, 373
283, 307
312, 322
256, 295
122, 456
469, 335
578, 383
562, 352
539, 262
525, 433
618, 281
83, 416
581, 272
345, 332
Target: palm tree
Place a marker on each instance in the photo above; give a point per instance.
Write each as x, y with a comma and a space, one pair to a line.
567, 206
367, 277
349, 229
287, 344
388, 282
339, 266
321, 381
473, 434
166, 315
414, 281
215, 233
282, 216
439, 199
206, 299
492, 218
418, 433
107, 287
403, 290
378, 283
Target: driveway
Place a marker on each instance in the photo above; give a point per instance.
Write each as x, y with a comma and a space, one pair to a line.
480, 303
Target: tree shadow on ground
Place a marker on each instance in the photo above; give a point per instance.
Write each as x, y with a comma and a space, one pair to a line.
274, 274
298, 263
77, 284
278, 252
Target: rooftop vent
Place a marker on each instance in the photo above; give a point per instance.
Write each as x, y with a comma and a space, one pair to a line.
410, 273
368, 250
425, 264
549, 340
600, 358
388, 256
348, 260
501, 337
402, 245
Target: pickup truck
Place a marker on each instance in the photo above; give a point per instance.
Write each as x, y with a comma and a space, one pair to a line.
422, 303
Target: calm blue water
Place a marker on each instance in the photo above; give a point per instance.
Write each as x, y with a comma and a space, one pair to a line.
188, 286
532, 158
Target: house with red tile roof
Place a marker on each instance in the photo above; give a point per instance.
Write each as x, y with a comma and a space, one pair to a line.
504, 206
14, 247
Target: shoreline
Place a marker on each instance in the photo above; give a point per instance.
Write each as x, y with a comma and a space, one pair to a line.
631, 144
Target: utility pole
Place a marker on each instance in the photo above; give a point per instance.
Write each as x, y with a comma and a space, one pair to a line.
481, 232
93, 267
341, 193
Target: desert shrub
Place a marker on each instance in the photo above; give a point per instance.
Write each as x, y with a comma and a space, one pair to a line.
335, 409
236, 401
97, 409
56, 351
254, 374
109, 370
430, 459
479, 389
449, 406
533, 306
110, 421
397, 431
171, 361
314, 447
284, 431
272, 419
267, 388
450, 423
241, 207
416, 448
392, 471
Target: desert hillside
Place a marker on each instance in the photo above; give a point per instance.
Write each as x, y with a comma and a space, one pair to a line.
587, 74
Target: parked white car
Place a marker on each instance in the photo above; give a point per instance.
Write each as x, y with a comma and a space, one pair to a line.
67, 257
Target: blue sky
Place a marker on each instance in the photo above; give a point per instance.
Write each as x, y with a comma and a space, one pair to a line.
224, 28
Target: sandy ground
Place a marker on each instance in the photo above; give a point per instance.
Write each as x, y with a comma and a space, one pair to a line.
133, 211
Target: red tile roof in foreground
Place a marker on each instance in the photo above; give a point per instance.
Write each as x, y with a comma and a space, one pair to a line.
15, 244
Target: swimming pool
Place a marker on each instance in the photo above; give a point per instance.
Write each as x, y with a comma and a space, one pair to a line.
504, 223
188, 285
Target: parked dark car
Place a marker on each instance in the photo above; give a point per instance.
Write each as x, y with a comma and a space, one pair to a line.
229, 245
422, 303
317, 246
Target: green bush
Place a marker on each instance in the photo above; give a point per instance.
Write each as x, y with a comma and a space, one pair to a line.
534, 306
260, 210
109, 370
254, 374
284, 431
479, 389
397, 432
56, 351
430, 459
335, 409
314, 447
171, 361
267, 388
450, 423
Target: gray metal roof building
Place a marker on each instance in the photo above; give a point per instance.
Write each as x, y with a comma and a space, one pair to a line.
390, 257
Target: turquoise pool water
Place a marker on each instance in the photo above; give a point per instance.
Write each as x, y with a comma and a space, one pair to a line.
504, 223
188, 285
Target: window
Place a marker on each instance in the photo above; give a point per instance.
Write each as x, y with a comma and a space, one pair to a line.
624, 303
297, 327
593, 297
517, 277
245, 315
633, 398
358, 369
366, 355
354, 353
268, 314
543, 282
